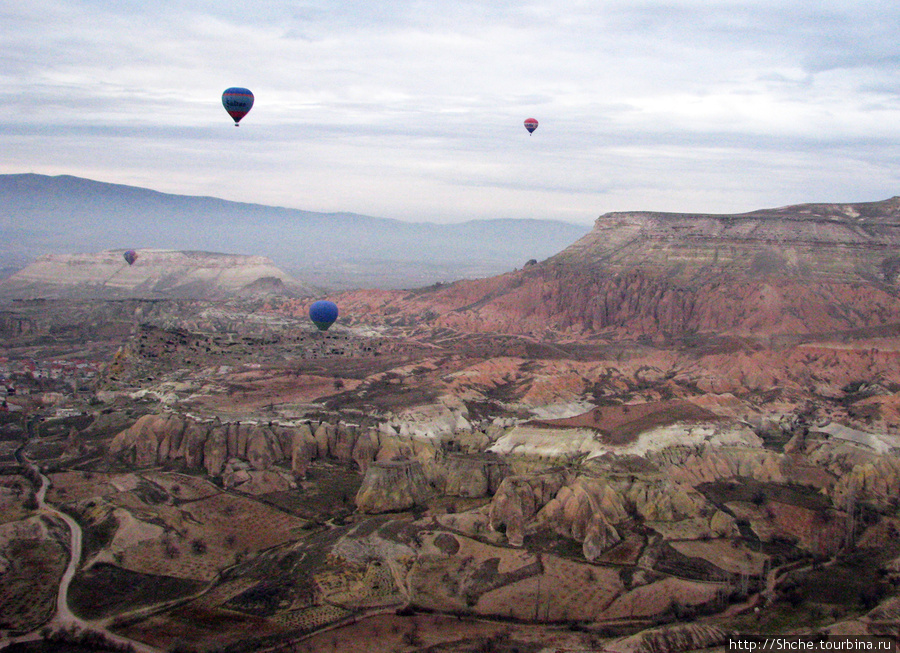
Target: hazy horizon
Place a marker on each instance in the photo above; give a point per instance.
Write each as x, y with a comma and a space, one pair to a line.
67, 214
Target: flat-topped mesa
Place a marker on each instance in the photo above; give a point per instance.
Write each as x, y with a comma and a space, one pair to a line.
809, 269
154, 274
827, 242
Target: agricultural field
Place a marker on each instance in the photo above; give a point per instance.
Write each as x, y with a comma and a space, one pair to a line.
32, 557
105, 589
327, 492
15, 491
28, 591
445, 634
184, 528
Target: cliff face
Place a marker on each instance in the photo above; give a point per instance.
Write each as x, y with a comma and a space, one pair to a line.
794, 270
400, 471
210, 445
689, 493
392, 486
155, 274
822, 242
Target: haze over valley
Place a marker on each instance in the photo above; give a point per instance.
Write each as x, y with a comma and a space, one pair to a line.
63, 215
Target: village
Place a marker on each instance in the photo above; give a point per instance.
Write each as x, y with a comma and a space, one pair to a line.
56, 381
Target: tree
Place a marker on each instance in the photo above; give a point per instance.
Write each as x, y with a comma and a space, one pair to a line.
31, 502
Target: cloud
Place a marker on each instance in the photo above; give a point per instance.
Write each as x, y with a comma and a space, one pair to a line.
413, 109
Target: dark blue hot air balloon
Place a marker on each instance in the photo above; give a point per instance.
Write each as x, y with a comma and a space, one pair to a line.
130, 256
237, 102
323, 313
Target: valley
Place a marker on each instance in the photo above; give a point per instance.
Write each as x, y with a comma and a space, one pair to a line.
571, 456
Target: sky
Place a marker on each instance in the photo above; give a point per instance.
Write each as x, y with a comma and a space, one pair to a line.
414, 109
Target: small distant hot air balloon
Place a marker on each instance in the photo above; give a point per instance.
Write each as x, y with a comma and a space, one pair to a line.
130, 256
237, 102
323, 313
531, 124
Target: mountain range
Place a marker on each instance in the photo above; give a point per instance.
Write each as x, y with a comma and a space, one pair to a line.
64, 214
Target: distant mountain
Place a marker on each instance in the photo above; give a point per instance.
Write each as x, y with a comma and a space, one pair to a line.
64, 214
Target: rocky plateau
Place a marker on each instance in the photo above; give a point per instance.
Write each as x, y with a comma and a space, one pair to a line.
786, 272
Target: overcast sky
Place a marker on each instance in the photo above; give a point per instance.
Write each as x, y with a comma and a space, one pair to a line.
413, 109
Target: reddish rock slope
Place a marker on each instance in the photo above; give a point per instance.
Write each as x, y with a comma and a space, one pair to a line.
809, 269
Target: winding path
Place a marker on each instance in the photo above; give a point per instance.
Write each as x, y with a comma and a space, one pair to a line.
64, 619
64, 616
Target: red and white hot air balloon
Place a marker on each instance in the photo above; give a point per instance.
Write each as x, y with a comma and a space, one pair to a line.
531, 124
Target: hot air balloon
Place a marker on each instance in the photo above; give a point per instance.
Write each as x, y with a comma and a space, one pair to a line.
237, 102
531, 124
130, 256
323, 313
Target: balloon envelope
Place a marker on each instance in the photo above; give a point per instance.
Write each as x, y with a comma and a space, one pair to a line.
130, 256
323, 313
237, 102
531, 124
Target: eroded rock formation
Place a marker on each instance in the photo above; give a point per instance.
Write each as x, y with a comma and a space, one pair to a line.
393, 485
474, 475
672, 497
157, 439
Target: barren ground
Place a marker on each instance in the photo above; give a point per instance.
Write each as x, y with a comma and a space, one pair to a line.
737, 475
